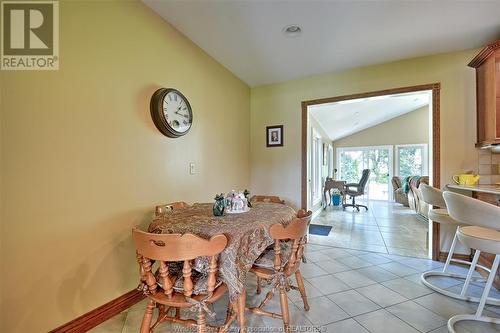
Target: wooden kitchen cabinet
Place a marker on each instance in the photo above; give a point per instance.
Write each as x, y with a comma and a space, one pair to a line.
487, 197
487, 65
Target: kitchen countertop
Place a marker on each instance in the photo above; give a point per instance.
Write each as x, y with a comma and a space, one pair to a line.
492, 189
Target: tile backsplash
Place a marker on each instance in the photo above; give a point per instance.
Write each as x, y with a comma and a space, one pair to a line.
489, 167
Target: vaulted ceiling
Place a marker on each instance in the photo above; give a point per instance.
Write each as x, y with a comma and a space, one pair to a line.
341, 119
246, 36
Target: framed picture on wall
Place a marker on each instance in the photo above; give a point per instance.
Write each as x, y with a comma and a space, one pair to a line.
274, 136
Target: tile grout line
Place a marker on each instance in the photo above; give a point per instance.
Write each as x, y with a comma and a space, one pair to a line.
407, 299
380, 306
371, 216
380, 232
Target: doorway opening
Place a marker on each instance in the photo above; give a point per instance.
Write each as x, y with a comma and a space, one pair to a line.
392, 133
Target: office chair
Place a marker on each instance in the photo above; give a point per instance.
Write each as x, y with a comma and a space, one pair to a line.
356, 189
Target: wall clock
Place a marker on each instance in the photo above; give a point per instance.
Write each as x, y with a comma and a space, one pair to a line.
171, 112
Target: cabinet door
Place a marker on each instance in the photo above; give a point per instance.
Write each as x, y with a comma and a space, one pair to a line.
497, 84
486, 101
488, 197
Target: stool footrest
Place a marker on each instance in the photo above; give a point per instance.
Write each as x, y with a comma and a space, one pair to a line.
468, 263
470, 317
426, 275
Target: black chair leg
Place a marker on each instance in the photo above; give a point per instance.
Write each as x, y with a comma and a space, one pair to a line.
358, 205
363, 207
354, 205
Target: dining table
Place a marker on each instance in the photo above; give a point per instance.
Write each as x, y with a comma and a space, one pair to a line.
247, 233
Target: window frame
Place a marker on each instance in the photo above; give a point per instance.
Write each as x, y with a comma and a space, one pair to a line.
316, 166
425, 157
390, 148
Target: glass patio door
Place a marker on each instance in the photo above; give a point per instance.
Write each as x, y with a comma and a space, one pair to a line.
352, 161
411, 160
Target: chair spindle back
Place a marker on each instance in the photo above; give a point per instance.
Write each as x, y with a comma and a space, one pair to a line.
166, 248
160, 210
296, 232
267, 198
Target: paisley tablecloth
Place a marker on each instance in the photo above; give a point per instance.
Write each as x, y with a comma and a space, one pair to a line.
247, 233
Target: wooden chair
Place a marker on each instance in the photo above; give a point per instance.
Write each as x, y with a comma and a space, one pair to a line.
267, 198
170, 290
160, 210
278, 269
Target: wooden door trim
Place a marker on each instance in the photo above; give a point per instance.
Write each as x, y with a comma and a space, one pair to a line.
436, 138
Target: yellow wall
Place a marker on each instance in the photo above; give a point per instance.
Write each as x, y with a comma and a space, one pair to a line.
82, 162
279, 171
1, 206
412, 127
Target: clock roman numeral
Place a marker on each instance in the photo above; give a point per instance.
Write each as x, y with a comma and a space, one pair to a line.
175, 98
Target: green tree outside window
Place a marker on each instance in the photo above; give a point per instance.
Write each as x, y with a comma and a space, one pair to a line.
410, 161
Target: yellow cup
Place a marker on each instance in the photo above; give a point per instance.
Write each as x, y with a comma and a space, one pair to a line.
465, 179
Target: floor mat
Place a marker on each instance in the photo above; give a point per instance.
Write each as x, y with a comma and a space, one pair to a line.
318, 229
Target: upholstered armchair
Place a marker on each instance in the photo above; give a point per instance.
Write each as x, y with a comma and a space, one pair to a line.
413, 198
399, 193
415, 195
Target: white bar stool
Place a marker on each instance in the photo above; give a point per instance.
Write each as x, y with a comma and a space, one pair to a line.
434, 197
481, 234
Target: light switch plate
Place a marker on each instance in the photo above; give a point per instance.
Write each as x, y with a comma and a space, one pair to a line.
192, 168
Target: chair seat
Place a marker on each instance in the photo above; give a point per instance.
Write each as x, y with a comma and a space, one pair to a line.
352, 192
266, 259
479, 238
440, 215
264, 273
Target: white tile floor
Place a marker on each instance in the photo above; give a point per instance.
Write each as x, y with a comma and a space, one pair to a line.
386, 227
351, 291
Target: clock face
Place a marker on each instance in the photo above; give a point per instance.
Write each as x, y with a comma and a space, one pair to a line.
177, 112
171, 112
